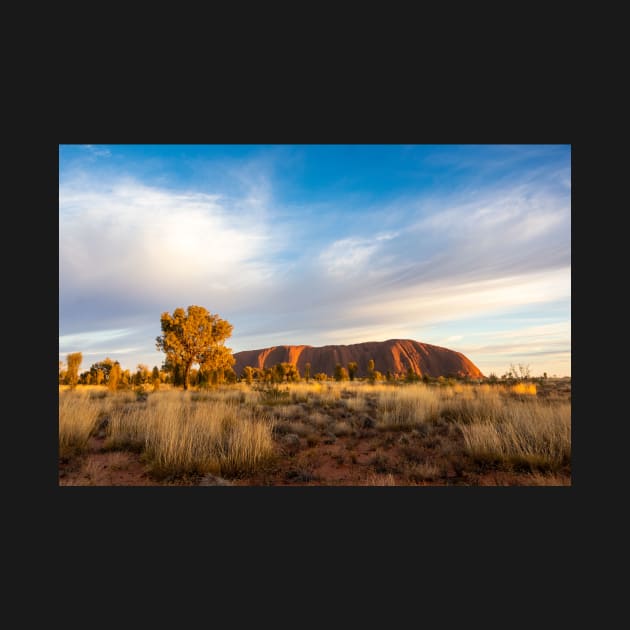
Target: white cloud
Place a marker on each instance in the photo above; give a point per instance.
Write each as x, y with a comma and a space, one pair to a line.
135, 241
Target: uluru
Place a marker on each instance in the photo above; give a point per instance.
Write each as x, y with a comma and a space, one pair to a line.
394, 355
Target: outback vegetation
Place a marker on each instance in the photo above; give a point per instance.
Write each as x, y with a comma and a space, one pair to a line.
194, 421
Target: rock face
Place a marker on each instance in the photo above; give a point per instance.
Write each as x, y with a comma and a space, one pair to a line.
395, 355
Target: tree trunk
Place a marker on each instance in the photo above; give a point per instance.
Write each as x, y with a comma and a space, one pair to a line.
186, 371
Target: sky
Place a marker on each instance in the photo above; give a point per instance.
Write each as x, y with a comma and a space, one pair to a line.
467, 247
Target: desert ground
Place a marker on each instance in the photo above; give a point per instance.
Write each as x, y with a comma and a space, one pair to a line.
328, 433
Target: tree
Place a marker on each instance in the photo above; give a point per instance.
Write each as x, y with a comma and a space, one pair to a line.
341, 374
291, 373
307, 372
155, 378
518, 374
104, 367
142, 374
74, 362
353, 366
248, 374
279, 371
193, 337
114, 377
229, 375
370, 370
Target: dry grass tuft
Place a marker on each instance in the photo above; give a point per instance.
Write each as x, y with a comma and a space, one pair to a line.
177, 432
387, 479
524, 388
529, 434
406, 407
425, 471
78, 415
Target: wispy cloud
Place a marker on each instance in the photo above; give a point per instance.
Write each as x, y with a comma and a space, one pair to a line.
97, 151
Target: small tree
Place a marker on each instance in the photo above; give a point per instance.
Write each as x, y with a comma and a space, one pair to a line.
195, 336
114, 377
74, 362
279, 371
341, 374
248, 374
125, 379
291, 373
518, 373
307, 372
155, 378
104, 367
353, 366
370, 370
142, 374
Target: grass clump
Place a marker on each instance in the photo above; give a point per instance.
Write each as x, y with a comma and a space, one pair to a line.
78, 416
530, 436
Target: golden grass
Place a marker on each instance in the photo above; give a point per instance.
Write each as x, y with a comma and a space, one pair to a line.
529, 433
549, 479
238, 393
425, 471
373, 479
228, 430
524, 388
180, 435
288, 411
78, 415
127, 426
357, 404
406, 407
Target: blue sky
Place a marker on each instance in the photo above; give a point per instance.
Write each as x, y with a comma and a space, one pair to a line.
462, 246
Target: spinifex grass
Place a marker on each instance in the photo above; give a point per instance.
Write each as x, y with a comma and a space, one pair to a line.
78, 415
529, 434
405, 407
181, 435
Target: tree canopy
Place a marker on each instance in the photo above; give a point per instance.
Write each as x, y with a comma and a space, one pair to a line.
195, 336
